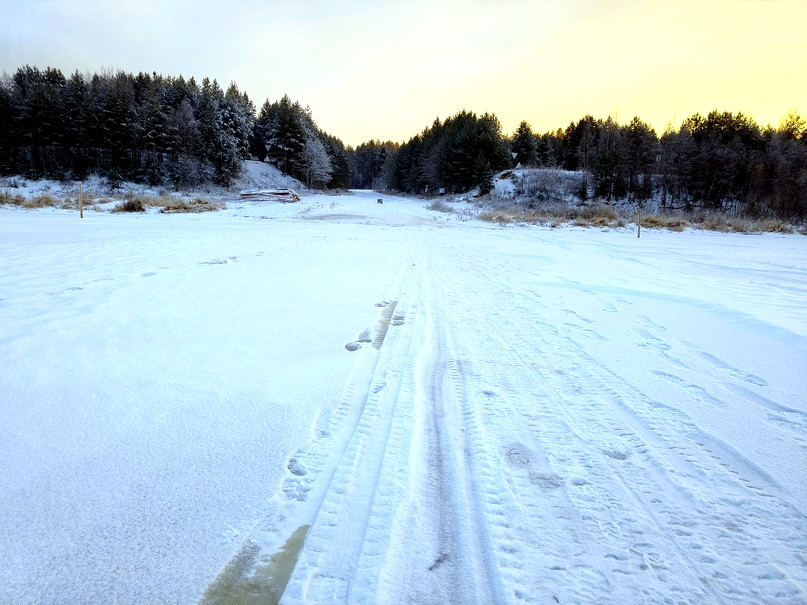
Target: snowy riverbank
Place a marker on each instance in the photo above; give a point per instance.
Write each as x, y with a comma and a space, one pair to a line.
530, 415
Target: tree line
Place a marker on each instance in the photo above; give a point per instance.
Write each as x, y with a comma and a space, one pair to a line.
165, 130
458, 154
155, 129
721, 161
146, 128
286, 135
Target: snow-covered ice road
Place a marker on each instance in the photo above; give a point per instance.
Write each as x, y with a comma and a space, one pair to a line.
472, 414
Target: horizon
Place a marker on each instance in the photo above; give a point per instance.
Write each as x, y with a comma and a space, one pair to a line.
379, 71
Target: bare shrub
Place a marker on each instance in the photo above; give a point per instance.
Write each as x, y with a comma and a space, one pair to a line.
194, 206
599, 212
464, 214
133, 205
774, 225
12, 199
497, 216
44, 200
71, 203
537, 186
514, 214
149, 201
664, 221
741, 225
597, 216
710, 221
439, 205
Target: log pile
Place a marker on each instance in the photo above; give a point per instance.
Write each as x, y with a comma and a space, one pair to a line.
271, 195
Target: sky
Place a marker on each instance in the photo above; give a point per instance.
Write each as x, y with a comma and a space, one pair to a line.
385, 69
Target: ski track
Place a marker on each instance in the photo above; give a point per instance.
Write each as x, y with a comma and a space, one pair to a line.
530, 471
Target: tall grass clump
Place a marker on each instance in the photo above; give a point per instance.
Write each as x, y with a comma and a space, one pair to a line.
132, 205
195, 206
439, 205
12, 199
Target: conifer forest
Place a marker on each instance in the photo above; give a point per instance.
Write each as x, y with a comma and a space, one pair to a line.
172, 131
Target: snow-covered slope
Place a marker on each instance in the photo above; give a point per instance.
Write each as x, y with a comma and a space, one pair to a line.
262, 175
366, 402
254, 175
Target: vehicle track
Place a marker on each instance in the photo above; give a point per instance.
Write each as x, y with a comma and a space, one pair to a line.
654, 483
528, 471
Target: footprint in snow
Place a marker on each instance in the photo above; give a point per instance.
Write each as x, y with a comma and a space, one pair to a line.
296, 467
671, 377
221, 261
438, 562
546, 481
615, 452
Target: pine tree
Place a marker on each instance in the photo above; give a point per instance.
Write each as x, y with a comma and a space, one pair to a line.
607, 160
340, 163
524, 145
283, 134
641, 147
483, 174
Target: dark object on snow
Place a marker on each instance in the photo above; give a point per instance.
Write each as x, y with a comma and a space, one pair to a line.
380, 201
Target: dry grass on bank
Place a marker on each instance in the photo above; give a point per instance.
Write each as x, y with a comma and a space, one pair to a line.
608, 217
31, 203
194, 206
556, 216
133, 205
127, 202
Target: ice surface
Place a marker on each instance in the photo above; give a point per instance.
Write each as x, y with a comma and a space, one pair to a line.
549, 415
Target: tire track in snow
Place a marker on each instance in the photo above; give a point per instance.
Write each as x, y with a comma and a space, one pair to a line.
346, 522
415, 464
317, 477
409, 468
403, 453
347, 482
527, 471
656, 497
457, 500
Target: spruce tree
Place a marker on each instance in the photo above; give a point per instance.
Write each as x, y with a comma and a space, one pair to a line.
524, 145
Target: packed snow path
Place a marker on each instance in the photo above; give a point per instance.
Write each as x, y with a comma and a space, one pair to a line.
495, 415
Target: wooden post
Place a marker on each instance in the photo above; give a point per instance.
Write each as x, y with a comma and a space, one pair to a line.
638, 222
80, 202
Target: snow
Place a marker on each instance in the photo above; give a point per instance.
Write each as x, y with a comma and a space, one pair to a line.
263, 175
254, 175
528, 415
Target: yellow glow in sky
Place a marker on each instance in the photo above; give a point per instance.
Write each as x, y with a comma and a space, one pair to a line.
384, 69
